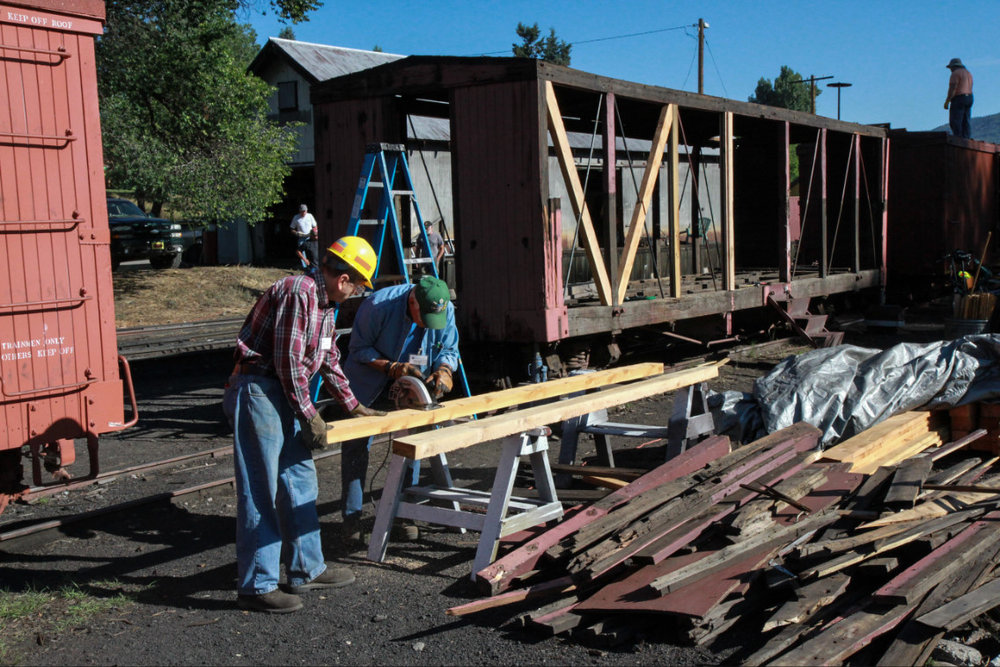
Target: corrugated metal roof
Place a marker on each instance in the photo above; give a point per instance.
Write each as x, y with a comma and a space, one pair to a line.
322, 62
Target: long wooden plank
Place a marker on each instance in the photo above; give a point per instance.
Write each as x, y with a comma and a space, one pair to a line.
907, 482
398, 420
548, 588
915, 581
915, 642
564, 154
422, 445
963, 608
808, 600
649, 177
845, 638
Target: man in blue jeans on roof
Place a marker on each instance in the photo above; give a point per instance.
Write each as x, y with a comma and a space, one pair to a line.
401, 330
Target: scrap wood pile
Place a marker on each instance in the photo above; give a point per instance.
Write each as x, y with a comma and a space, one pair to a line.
888, 536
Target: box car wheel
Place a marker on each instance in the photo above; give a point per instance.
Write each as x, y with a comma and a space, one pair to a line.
165, 261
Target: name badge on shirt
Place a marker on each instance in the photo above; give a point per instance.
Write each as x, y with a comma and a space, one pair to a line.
418, 359
325, 343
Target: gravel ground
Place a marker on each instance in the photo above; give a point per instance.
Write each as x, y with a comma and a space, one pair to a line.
176, 562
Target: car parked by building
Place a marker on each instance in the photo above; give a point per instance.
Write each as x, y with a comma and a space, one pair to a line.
136, 235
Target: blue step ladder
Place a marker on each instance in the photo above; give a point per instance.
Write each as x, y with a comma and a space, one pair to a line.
385, 168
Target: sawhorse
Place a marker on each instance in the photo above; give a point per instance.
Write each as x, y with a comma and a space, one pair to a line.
505, 514
690, 421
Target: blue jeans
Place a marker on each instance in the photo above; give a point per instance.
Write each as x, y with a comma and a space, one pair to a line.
354, 468
960, 116
276, 518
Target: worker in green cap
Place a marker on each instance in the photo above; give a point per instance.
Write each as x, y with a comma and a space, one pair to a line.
400, 330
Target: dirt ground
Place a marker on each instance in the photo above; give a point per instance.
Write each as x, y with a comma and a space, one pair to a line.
166, 574
170, 570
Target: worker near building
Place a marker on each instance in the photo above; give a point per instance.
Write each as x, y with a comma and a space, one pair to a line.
960, 99
436, 243
304, 230
288, 337
401, 330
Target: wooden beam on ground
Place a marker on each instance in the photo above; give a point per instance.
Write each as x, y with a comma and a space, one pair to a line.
907, 483
964, 608
649, 177
549, 588
915, 642
808, 600
564, 154
942, 563
399, 420
441, 441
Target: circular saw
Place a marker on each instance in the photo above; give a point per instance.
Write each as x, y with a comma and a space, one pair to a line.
410, 393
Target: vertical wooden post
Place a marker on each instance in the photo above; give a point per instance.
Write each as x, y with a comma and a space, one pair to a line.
727, 205
824, 241
695, 235
784, 196
884, 176
611, 191
675, 211
856, 165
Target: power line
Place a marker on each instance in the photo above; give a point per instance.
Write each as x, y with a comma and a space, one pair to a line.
604, 39
716, 65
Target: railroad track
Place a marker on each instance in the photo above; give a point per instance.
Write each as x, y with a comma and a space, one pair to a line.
26, 529
165, 340
155, 342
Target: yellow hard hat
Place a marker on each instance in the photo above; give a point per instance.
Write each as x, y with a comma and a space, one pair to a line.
358, 254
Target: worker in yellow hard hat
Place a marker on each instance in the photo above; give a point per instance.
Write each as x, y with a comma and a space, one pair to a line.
287, 338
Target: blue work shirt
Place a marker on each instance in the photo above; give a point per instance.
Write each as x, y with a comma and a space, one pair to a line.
380, 330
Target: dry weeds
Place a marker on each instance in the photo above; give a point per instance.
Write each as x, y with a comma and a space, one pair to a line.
145, 297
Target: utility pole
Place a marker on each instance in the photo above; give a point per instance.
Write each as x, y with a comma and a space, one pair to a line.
701, 55
812, 89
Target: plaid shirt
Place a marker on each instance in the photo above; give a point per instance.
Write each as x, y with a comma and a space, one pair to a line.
286, 333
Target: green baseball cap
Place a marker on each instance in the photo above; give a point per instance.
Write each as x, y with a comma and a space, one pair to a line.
432, 297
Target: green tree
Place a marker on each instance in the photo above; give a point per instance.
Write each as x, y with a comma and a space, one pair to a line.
550, 49
183, 122
787, 92
286, 33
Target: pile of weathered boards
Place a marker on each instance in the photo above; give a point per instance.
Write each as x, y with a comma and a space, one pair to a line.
881, 543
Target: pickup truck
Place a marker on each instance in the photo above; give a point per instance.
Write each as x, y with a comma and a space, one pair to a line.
135, 235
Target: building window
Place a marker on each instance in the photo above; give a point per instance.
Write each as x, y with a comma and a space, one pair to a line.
288, 96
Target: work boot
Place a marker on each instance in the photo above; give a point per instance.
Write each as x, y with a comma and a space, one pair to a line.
331, 577
405, 532
352, 533
275, 602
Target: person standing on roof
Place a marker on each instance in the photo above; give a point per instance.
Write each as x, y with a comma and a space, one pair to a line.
400, 330
303, 227
288, 337
960, 99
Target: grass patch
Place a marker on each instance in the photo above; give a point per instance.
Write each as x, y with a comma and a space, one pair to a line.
146, 297
45, 612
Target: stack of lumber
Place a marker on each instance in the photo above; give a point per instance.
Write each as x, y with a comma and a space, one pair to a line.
818, 554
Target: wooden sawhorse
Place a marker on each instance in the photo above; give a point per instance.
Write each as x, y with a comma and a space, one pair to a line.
504, 515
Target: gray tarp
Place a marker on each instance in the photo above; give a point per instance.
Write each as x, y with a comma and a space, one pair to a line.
847, 389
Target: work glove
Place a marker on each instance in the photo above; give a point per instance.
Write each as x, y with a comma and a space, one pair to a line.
440, 382
398, 369
314, 433
362, 411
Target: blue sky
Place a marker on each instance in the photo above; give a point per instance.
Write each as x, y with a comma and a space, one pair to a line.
893, 52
